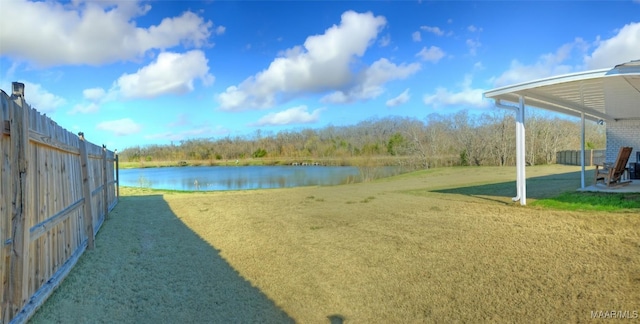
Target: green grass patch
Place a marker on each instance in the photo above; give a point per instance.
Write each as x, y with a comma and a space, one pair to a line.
592, 201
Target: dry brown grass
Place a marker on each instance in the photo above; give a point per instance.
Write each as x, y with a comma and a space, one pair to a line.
432, 247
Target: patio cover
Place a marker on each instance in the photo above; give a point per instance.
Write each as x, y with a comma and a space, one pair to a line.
598, 95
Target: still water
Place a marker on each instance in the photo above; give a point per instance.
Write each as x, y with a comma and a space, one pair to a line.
238, 177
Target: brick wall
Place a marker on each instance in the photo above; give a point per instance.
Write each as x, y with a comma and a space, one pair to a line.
622, 133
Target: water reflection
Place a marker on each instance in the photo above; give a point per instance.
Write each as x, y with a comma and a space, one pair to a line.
241, 178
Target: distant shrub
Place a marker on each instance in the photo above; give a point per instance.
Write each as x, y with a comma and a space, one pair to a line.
259, 153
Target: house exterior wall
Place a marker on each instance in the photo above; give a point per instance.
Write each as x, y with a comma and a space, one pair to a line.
622, 133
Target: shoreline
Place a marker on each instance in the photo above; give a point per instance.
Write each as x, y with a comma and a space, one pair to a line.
375, 161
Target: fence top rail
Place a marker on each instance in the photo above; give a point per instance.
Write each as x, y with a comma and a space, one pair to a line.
586, 150
45, 131
45, 140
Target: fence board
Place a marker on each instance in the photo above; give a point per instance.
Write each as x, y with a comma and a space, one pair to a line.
572, 157
48, 214
5, 207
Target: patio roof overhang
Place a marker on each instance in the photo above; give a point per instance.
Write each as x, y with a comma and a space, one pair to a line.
605, 94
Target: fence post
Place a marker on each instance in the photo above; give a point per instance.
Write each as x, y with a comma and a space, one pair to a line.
570, 157
86, 192
117, 175
19, 255
105, 187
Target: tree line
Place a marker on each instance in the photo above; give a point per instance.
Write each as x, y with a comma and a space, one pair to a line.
438, 140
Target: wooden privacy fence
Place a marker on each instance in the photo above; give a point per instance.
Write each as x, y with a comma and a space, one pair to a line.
591, 157
56, 190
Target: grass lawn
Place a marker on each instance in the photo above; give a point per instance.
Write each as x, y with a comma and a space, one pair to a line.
443, 245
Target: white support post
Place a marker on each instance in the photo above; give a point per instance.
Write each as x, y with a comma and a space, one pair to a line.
522, 181
518, 157
582, 138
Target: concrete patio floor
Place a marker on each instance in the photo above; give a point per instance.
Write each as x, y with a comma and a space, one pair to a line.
634, 186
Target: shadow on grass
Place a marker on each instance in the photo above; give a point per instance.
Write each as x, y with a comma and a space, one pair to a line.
537, 187
148, 267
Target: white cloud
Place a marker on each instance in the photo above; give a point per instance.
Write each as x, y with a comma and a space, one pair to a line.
10, 72
432, 54
416, 36
85, 108
170, 73
129, 8
473, 46
385, 40
323, 63
48, 33
433, 30
519, 72
220, 30
547, 65
621, 48
94, 94
370, 82
182, 120
120, 127
41, 99
296, 115
467, 97
400, 99
474, 29
94, 97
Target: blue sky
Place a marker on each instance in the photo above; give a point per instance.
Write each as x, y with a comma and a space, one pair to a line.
134, 73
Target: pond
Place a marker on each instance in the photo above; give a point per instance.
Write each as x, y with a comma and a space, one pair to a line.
242, 177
